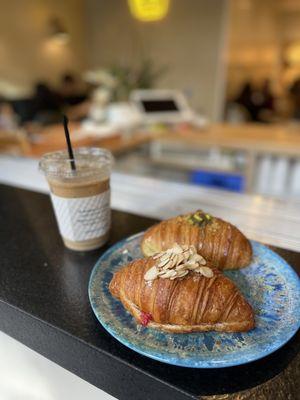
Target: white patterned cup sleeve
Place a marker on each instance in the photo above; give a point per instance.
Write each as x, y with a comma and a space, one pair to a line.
84, 218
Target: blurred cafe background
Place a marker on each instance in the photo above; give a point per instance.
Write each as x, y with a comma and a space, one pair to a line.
198, 91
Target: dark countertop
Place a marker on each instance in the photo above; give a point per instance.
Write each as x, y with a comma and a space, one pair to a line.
44, 304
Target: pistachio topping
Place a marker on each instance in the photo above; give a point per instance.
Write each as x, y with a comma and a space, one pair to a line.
177, 262
199, 218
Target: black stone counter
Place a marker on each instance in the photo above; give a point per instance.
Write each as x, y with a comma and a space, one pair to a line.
44, 304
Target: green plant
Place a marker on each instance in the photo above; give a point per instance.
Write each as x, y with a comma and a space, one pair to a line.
127, 79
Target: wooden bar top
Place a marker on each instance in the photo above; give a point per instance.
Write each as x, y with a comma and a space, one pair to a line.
283, 139
273, 138
51, 138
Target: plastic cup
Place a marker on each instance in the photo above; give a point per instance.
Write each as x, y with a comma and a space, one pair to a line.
81, 197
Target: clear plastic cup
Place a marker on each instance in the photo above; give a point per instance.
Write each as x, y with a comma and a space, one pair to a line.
81, 197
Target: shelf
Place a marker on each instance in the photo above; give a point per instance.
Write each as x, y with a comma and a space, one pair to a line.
190, 165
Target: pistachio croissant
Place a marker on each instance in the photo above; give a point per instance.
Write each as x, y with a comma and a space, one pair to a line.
181, 302
217, 240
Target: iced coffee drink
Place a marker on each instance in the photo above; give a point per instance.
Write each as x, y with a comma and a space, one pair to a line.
80, 197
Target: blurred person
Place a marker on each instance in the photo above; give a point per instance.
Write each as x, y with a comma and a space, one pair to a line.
294, 92
259, 102
47, 105
268, 97
68, 86
71, 90
266, 102
246, 98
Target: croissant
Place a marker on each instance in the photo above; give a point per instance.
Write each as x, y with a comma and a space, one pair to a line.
187, 302
217, 240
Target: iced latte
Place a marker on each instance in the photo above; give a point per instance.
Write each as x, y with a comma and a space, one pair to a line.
80, 197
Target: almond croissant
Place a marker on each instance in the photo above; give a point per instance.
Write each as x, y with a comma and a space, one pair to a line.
192, 303
217, 240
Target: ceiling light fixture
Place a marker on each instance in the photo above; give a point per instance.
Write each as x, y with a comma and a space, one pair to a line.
149, 10
57, 31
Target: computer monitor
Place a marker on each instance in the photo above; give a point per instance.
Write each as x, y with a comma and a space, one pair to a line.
157, 105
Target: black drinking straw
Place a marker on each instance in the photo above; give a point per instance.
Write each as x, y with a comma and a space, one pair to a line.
70, 150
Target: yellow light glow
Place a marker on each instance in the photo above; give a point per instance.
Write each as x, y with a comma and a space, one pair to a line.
293, 53
149, 10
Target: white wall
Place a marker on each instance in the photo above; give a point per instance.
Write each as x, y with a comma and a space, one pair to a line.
26, 52
188, 41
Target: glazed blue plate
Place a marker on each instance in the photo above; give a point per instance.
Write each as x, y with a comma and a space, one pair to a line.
269, 284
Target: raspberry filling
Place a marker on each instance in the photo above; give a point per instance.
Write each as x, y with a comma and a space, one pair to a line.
145, 318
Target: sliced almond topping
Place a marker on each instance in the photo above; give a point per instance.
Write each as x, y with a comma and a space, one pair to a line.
151, 274
165, 271
168, 274
180, 267
191, 266
180, 259
181, 274
156, 256
192, 250
165, 256
207, 272
161, 272
175, 259
196, 258
177, 249
176, 262
170, 264
162, 263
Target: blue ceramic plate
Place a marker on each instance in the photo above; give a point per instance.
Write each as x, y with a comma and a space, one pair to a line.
269, 283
